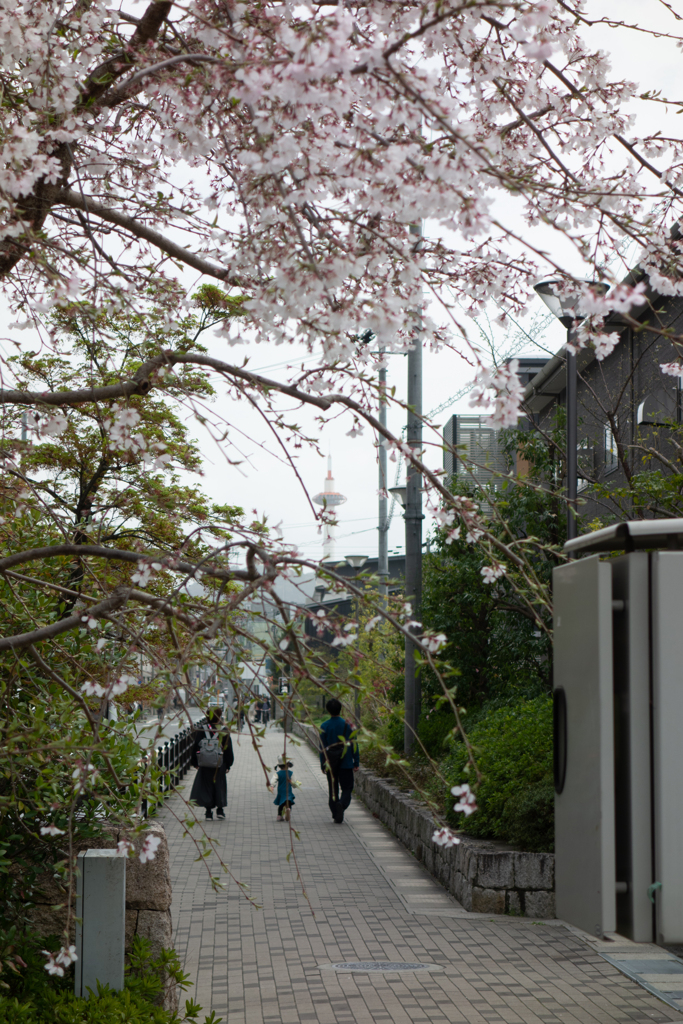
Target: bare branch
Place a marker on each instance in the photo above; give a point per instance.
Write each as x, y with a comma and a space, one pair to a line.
139, 384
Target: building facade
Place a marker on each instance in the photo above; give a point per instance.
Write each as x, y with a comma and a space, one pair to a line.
473, 449
628, 411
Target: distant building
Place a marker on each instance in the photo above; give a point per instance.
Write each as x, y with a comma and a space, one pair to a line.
481, 457
473, 449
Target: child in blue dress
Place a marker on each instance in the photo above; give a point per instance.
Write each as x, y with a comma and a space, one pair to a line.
284, 798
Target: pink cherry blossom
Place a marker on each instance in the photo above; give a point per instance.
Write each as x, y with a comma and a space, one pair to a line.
444, 837
491, 573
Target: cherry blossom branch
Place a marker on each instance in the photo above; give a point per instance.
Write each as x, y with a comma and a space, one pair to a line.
123, 90
147, 29
67, 197
118, 554
44, 667
116, 600
139, 384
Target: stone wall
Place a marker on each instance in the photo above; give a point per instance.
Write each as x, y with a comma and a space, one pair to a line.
148, 897
485, 877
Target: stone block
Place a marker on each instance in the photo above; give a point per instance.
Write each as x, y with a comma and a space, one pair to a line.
148, 886
488, 901
482, 875
534, 870
463, 891
45, 920
131, 926
156, 926
495, 871
539, 904
514, 904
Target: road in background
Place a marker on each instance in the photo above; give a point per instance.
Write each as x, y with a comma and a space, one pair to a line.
152, 732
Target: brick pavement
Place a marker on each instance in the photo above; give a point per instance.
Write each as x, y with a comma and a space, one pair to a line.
365, 899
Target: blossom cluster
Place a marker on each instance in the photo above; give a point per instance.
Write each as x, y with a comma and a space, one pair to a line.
58, 962
149, 848
84, 775
333, 129
444, 837
491, 573
467, 802
145, 570
113, 689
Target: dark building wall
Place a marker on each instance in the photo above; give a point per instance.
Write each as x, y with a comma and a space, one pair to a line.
622, 403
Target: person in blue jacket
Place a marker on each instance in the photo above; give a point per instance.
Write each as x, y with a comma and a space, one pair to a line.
339, 759
284, 798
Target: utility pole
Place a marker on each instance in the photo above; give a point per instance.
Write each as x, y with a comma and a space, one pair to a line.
413, 519
572, 437
383, 541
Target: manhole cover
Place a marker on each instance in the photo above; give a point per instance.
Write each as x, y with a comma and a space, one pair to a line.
379, 965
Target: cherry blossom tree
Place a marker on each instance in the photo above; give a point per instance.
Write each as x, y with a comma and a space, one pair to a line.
284, 153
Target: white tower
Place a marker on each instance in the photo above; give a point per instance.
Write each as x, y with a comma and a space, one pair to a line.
329, 499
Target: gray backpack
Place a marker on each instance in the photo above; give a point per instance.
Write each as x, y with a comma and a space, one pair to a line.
210, 753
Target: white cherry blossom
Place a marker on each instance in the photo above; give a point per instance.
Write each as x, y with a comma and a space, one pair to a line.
149, 848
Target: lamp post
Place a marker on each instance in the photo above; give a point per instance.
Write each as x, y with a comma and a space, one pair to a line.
563, 306
356, 562
383, 537
412, 514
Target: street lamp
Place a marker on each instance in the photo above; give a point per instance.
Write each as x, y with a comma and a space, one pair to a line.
400, 494
563, 304
356, 561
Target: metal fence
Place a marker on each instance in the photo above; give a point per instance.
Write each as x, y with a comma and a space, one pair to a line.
173, 759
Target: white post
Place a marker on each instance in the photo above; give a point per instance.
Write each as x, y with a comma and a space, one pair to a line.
100, 920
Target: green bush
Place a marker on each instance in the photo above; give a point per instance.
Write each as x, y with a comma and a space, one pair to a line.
395, 730
28, 995
64, 1008
434, 730
513, 746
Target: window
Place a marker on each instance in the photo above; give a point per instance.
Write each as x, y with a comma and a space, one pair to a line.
611, 457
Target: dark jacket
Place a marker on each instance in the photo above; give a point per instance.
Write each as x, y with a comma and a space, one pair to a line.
336, 730
210, 788
226, 743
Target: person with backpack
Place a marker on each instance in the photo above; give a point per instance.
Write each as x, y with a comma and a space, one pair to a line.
339, 759
213, 757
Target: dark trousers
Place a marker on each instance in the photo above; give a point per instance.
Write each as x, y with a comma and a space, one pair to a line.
340, 786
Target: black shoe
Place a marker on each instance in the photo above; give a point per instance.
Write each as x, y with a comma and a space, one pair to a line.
220, 813
208, 816
338, 820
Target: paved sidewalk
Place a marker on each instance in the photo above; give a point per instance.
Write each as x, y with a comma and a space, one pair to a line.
365, 898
